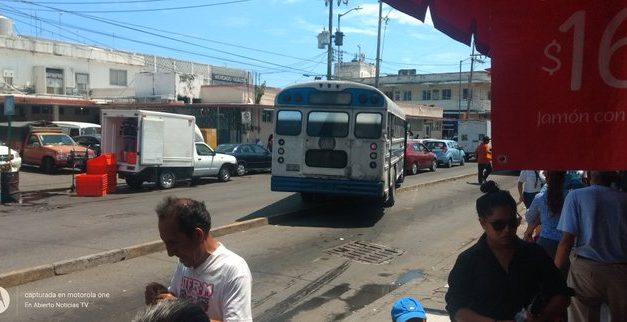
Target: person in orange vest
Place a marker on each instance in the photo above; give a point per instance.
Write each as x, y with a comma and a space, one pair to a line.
484, 159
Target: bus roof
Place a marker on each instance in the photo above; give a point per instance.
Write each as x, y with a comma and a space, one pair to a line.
337, 85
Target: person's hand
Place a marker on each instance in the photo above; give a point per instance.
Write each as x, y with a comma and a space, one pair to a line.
153, 292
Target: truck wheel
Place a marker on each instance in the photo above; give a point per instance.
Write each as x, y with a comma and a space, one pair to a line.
47, 165
241, 169
224, 174
166, 179
134, 182
461, 163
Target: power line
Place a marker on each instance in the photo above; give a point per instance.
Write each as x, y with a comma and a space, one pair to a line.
97, 2
140, 10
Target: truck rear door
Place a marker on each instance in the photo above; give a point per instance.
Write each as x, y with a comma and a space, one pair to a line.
152, 138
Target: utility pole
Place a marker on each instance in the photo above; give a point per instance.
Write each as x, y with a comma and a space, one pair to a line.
473, 58
330, 46
378, 61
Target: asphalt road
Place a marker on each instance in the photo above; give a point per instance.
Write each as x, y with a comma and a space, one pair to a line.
52, 225
296, 277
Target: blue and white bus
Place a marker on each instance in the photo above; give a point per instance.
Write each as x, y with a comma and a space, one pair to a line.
338, 138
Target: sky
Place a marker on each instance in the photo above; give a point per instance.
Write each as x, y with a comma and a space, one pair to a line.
276, 40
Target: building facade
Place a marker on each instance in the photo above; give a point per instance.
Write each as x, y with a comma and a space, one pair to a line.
454, 93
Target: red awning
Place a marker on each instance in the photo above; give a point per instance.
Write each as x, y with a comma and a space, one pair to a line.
559, 76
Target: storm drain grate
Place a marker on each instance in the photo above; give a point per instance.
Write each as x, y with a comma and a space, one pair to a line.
366, 252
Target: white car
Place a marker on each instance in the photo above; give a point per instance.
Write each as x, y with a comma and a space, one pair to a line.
14, 159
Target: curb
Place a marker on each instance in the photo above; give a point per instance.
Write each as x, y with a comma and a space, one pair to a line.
23, 276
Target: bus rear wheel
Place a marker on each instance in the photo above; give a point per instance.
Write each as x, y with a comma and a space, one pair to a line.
390, 197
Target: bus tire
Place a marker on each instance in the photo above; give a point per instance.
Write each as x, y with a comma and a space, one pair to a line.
308, 197
390, 198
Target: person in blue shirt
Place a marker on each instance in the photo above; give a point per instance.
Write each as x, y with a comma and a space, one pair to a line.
594, 226
545, 209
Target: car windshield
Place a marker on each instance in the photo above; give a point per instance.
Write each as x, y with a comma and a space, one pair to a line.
90, 131
56, 139
435, 145
223, 148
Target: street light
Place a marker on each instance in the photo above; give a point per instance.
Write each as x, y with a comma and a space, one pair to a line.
338, 36
330, 48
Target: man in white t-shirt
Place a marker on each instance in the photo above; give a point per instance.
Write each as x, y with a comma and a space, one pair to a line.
208, 273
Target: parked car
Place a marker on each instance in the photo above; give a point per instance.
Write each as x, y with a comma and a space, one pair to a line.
90, 141
447, 151
14, 158
418, 156
250, 157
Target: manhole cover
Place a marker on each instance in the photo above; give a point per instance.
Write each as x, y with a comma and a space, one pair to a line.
366, 252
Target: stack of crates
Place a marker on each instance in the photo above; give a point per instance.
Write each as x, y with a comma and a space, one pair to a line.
105, 164
91, 185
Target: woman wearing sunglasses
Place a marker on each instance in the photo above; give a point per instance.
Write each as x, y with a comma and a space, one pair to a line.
499, 276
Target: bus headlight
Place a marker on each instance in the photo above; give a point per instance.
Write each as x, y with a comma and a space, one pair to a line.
281, 150
373, 155
281, 160
373, 165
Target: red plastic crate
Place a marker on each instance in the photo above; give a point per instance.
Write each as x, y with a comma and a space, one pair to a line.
91, 185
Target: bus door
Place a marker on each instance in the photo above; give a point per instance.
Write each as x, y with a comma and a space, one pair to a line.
327, 143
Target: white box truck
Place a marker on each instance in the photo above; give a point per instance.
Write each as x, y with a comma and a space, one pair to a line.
160, 147
470, 133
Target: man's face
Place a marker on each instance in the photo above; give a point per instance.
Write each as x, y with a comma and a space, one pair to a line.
178, 243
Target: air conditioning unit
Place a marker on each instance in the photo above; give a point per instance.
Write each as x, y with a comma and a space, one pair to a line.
8, 73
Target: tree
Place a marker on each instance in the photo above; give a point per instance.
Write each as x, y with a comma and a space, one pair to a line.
259, 91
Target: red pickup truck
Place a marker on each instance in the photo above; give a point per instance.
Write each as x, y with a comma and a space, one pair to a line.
47, 147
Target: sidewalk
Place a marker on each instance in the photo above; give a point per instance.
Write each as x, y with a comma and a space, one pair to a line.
429, 290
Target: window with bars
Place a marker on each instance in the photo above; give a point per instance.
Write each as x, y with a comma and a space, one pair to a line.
426, 95
54, 81
82, 84
407, 96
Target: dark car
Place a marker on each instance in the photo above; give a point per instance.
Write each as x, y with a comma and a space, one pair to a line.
91, 141
418, 156
250, 157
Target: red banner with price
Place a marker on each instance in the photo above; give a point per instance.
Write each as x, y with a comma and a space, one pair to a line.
559, 76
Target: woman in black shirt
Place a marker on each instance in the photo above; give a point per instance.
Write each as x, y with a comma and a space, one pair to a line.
500, 275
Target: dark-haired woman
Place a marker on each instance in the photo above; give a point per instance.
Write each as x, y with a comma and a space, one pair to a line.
498, 277
545, 209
